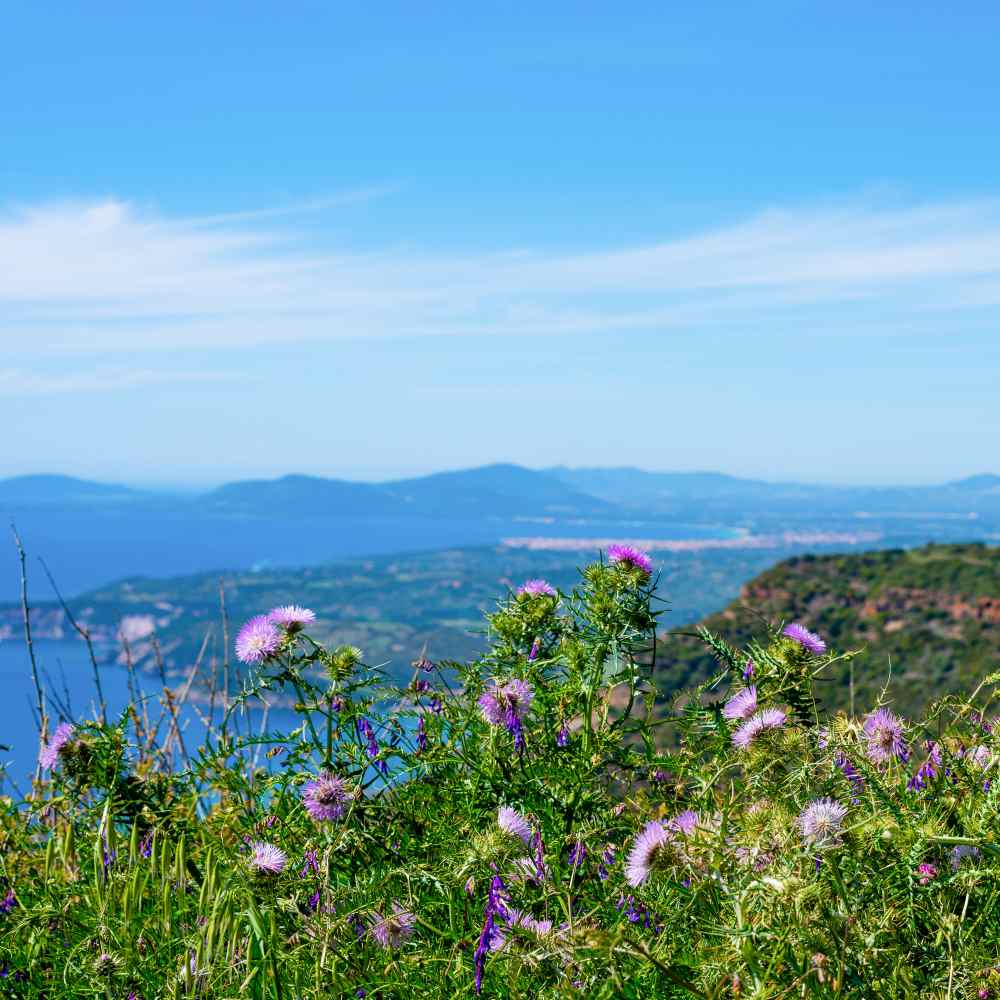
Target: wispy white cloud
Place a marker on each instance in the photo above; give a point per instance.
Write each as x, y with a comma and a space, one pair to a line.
107, 276
25, 382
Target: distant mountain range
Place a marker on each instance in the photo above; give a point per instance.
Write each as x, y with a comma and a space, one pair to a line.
505, 490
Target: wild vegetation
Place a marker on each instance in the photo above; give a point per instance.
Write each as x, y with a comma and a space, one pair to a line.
512, 827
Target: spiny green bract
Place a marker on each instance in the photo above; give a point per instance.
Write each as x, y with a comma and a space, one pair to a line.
644, 852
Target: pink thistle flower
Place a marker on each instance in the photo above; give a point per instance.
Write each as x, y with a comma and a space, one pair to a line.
326, 797
742, 705
884, 731
512, 822
536, 588
769, 718
647, 851
394, 930
257, 640
684, 823
291, 617
819, 823
626, 555
49, 756
506, 705
267, 859
807, 640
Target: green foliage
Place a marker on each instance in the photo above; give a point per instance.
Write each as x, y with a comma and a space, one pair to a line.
624, 870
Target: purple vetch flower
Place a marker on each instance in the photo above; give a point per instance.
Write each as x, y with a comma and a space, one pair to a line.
541, 868
310, 863
266, 859
512, 822
980, 756
927, 771
742, 705
533, 652
769, 718
421, 685
326, 797
49, 756
312, 903
809, 641
577, 853
926, 873
291, 617
819, 823
960, 853
850, 772
257, 640
421, 735
146, 845
748, 670
8, 902
536, 588
607, 859
660, 777
626, 555
365, 730
562, 737
395, 929
436, 705
496, 906
470, 886
647, 850
884, 732
506, 705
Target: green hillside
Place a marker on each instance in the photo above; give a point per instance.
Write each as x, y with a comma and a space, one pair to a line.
930, 614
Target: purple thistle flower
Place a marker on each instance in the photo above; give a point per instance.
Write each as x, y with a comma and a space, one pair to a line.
496, 906
884, 731
291, 617
807, 640
647, 849
49, 756
536, 588
507, 704
742, 705
393, 930
512, 822
562, 737
684, 823
626, 555
819, 823
326, 797
769, 718
257, 640
266, 858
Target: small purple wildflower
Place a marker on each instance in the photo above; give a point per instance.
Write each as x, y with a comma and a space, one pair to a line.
421, 735
927, 771
49, 756
809, 641
496, 906
326, 797
436, 705
291, 617
884, 731
541, 868
8, 902
850, 772
926, 873
536, 588
533, 652
742, 705
365, 730
819, 823
577, 853
769, 718
626, 555
959, 854
394, 930
266, 858
562, 737
748, 670
310, 863
257, 640
607, 859
512, 822
421, 685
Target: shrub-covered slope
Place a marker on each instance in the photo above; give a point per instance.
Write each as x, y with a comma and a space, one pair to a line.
927, 620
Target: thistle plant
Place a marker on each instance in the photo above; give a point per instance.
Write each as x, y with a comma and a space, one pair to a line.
537, 823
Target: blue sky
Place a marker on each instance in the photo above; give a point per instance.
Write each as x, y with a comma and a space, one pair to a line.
246, 239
